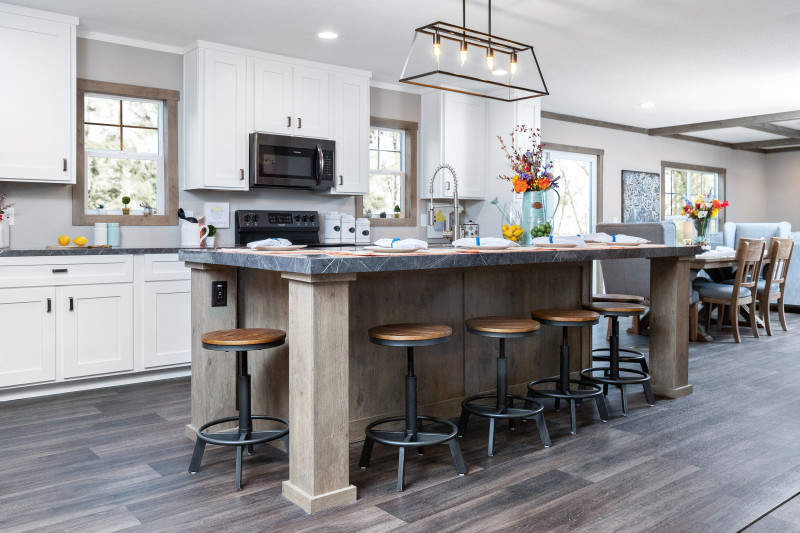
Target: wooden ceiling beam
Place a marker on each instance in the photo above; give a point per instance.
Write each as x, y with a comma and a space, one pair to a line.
728, 123
781, 150
777, 130
772, 143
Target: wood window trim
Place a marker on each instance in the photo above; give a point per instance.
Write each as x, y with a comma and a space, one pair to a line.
721, 174
170, 99
410, 129
599, 152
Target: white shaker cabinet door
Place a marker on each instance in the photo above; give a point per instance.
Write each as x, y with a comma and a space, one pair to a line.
225, 127
98, 329
37, 99
167, 323
272, 97
464, 140
27, 330
351, 133
312, 103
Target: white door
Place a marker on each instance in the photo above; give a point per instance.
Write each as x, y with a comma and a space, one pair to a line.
272, 93
28, 333
37, 102
577, 209
167, 327
312, 100
465, 144
225, 112
98, 329
351, 131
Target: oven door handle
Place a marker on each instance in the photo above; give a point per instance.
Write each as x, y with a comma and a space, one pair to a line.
320, 165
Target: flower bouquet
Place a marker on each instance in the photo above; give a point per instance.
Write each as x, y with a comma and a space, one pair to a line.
701, 211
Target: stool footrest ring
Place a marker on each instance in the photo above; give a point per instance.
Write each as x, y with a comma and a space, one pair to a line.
491, 411
635, 358
572, 395
258, 437
638, 377
398, 437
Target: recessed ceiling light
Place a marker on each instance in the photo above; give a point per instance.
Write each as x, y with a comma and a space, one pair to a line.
327, 35
499, 72
647, 105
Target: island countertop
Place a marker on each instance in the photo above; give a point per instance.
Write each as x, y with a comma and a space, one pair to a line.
356, 260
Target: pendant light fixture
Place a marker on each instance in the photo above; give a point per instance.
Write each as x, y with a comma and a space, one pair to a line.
446, 65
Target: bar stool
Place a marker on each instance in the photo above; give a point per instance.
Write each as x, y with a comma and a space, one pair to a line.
636, 356
502, 328
613, 374
240, 341
410, 336
567, 318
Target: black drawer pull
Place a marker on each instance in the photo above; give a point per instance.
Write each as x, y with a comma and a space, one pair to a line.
59, 271
71, 304
49, 305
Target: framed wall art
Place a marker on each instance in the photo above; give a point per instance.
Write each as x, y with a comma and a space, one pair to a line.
641, 196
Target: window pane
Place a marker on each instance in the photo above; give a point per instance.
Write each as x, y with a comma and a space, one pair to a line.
140, 114
390, 161
697, 186
373, 139
390, 140
101, 137
110, 179
103, 110
573, 216
679, 182
668, 181
373, 160
677, 205
137, 140
708, 183
385, 192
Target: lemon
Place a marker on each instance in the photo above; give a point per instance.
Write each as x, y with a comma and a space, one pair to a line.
80, 241
63, 240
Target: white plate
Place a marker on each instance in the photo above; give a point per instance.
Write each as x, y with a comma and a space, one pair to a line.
382, 250
616, 243
485, 247
279, 248
558, 245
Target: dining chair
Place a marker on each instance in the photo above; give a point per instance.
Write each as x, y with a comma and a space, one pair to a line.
773, 286
743, 292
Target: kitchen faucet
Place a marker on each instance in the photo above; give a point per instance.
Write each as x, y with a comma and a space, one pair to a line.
454, 233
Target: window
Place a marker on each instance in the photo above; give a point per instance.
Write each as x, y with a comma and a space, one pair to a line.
682, 181
127, 146
392, 174
577, 210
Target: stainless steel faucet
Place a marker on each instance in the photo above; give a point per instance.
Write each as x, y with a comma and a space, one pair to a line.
454, 233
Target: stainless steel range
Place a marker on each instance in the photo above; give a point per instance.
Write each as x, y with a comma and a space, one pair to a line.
300, 227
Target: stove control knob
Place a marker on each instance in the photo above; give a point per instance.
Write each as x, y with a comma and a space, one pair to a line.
255, 218
312, 218
247, 218
297, 218
305, 218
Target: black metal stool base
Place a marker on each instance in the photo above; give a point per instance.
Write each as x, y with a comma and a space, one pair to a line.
634, 377
239, 438
637, 357
533, 410
571, 396
403, 439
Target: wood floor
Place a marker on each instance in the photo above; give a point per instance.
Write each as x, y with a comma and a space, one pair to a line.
722, 459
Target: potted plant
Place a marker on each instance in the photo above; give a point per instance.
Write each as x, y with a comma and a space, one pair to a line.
125, 209
368, 213
211, 237
383, 214
396, 211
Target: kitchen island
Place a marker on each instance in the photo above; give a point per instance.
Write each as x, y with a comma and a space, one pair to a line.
331, 381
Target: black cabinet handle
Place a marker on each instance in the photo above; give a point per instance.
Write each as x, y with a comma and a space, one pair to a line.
365, 232
341, 179
71, 304
241, 170
65, 164
288, 122
352, 230
59, 271
337, 228
49, 305
299, 123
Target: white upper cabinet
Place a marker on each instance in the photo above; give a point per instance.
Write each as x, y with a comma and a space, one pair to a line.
454, 132
273, 110
351, 133
37, 96
312, 99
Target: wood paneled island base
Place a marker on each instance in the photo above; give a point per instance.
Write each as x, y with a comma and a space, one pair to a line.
331, 382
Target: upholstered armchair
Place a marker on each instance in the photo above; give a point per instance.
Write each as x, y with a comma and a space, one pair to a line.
732, 231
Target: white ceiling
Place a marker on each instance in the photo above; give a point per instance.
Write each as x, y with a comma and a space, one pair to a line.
697, 60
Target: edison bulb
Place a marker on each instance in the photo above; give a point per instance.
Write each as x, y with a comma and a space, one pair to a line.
512, 64
490, 59
437, 46
463, 54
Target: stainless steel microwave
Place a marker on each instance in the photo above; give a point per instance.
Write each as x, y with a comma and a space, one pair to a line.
291, 162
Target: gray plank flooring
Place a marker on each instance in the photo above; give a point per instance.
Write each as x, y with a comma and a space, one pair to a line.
723, 459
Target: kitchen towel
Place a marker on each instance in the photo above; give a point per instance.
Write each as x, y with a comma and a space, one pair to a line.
567, 239
605, 237
484, 241
270, 242
410, 244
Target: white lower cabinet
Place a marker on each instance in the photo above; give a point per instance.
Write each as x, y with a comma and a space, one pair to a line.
98, 329
167, 326
28, 336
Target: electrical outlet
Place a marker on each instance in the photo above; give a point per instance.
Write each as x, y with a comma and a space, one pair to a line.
219, 293
8, 214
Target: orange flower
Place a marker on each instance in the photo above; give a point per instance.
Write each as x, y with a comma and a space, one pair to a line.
520, 186
543, 183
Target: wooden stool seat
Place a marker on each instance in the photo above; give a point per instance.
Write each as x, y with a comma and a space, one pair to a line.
566, 317
410, 332
243, 337
620, 298
502, 324
616, 309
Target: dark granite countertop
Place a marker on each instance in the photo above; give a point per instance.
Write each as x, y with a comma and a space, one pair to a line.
75, 251
318, 262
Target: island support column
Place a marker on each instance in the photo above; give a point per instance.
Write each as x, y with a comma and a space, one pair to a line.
669, 326
319, 352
